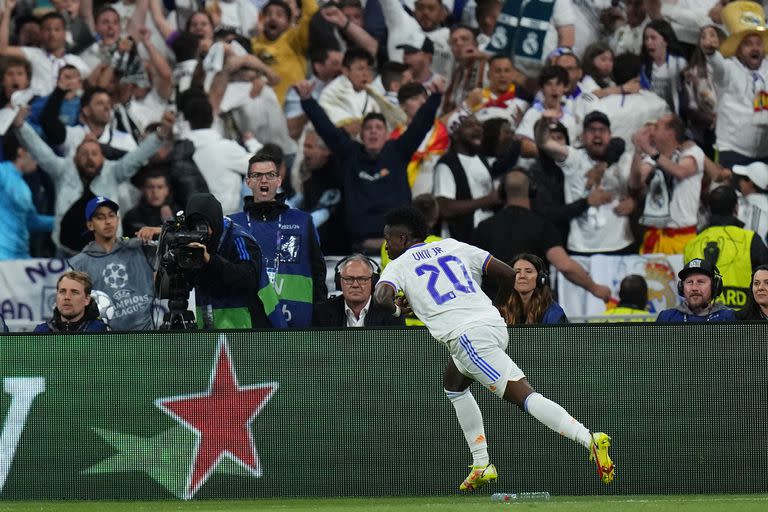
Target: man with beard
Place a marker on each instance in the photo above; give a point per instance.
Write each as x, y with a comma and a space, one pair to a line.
88, 174
463, 183
284, 46
700, 284
603, 229
75, 311
740, 74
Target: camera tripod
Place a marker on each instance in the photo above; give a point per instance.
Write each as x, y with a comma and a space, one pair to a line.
179, 318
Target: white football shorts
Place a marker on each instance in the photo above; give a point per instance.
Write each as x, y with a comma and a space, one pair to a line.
480, 354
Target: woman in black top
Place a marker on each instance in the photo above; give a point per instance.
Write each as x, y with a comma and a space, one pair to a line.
757, 301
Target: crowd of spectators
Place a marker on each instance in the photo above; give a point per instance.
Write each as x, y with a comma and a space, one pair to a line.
538, 130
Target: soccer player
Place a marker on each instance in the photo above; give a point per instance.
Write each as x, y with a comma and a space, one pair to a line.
441, 284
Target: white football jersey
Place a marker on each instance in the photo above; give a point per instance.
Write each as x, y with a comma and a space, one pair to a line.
441, 281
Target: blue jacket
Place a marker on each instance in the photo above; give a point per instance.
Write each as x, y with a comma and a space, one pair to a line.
554, 315
291, 255
682, 314
18, 215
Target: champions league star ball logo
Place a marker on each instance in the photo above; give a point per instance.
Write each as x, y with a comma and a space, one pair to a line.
115, 275
104, 303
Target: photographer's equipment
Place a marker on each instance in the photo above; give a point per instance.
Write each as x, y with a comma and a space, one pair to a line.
176, 269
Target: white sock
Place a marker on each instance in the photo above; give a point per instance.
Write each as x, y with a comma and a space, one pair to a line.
555, 417
471, 421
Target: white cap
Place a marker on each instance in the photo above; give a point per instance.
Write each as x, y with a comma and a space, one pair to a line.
448, 4
757, 172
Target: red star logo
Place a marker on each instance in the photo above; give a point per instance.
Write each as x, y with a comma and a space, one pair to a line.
221, 418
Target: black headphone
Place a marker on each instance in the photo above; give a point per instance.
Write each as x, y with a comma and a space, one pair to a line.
717, 284
375, 269
542, 272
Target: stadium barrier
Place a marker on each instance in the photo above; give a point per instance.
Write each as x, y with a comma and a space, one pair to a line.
362, 412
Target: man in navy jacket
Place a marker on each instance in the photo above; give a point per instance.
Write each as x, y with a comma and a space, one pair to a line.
375, 171
700, 284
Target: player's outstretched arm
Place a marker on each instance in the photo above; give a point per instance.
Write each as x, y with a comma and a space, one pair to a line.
384, 295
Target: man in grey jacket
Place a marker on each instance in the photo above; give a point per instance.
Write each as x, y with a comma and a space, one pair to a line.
119, 267
88, 173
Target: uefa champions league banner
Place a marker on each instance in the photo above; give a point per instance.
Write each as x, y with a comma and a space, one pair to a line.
659, 270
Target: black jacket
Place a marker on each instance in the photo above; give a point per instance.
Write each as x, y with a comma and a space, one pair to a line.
331, 314
89, 323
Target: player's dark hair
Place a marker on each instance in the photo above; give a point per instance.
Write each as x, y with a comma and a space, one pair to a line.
411, 219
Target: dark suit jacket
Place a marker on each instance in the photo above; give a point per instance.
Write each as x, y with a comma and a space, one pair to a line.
331, 314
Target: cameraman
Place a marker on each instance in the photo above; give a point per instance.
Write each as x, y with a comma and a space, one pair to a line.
229, 285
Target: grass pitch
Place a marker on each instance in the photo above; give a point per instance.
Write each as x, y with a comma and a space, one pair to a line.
688, 503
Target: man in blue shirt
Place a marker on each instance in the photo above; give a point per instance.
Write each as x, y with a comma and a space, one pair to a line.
700, 284
18, 215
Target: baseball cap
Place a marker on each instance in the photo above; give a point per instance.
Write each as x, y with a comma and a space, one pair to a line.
417, 42
698, 266
596, 117
97, 201
757, 172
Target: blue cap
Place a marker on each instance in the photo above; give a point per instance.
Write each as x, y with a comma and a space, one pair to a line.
97, 201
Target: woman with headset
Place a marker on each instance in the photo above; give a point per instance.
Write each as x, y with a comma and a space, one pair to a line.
530, 299
756, 309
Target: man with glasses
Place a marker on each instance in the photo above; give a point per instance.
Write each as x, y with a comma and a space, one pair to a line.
290, 248
354, 308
